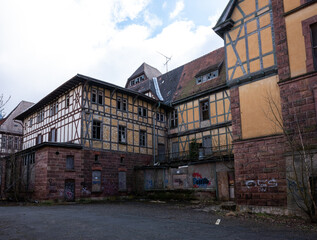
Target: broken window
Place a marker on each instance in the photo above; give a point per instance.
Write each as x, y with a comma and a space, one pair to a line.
142, 112
122, 134
174, 119
100, 97
94, 96
96, 129
142, 138
204, 110
122, 104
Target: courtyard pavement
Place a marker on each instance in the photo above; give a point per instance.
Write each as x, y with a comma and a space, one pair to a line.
135, 221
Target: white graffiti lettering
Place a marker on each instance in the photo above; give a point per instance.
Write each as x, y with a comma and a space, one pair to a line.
263, 185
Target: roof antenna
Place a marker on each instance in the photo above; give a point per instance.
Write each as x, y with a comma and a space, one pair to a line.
167, 60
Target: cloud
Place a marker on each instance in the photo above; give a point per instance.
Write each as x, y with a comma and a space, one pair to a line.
178, 8
45, 43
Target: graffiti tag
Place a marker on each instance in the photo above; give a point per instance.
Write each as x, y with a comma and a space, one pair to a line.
263, 185
199, 181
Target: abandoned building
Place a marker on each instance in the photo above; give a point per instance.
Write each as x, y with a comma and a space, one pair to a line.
225, 125
11, 136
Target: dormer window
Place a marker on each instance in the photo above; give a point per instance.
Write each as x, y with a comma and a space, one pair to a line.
206, 77
137, 80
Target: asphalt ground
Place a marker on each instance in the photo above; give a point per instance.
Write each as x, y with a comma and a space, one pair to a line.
136, 220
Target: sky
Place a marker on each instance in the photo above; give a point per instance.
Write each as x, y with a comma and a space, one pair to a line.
44, 43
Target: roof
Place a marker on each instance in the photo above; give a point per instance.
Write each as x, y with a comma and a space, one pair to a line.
224, 23
147, 70
180, 83
187, 83
74, 82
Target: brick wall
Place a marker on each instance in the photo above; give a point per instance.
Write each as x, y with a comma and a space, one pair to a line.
280, 39
110, 164
299, 107
260, 172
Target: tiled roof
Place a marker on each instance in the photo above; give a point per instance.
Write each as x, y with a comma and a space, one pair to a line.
180, 83
148, 70
187, 83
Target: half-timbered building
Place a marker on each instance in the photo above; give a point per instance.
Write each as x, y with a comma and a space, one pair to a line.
199, 127
271, 72
84, 139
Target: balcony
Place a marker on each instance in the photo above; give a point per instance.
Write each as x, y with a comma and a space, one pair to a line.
222, 153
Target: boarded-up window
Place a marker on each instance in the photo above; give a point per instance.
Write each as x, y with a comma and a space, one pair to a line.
122, 181
207, 144
70, 162
96, 181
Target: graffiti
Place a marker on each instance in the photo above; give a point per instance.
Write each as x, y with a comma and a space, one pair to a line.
85, 191
294, 189
199, 181
262, 185
148, 184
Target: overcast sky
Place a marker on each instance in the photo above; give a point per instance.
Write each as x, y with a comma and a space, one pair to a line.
44, 43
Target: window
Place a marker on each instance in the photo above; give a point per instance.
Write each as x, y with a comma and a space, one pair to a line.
207, 145
160, 117
52, 135
174, 119
10, 142
39, 139
4, 141
142, 112
137, 80
30, 122
67, 101
96, 130
204, 110
122, 134
94, 96
142, 138
122, 104
16, 143
70, 162
100, 97
313, 29
53, 109
207, 77
40, 116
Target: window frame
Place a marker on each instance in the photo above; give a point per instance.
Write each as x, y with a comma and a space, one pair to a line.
122, 104
50, 135
142, 111
71, 164
174, 119
203, 111
122, 132
142, 138
67, 101
39, 138
96, 131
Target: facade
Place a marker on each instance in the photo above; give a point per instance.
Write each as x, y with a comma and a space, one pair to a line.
231, 124
11, 133
85, 138
271, 72
199, 157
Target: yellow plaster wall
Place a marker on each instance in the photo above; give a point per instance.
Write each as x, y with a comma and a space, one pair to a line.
256, 116
295, 39
290, 4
